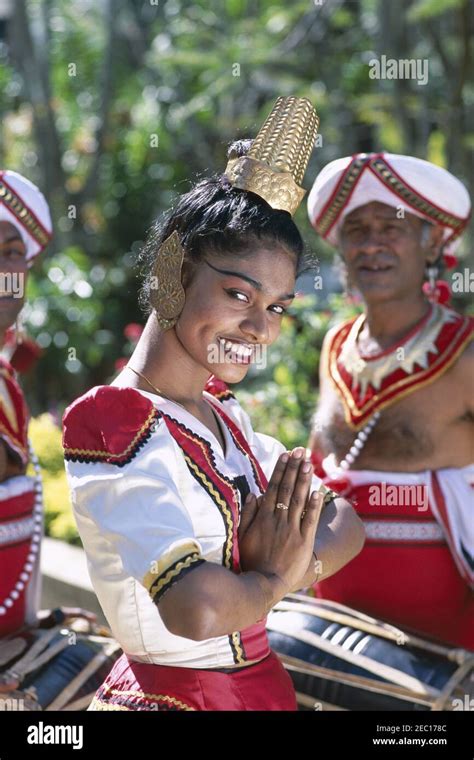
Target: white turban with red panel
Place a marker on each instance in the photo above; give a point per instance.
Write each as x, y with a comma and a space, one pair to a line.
24, 205
420, 187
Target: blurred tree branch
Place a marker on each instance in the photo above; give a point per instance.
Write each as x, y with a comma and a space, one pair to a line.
33, 63
456, 70
32, 58
160, 90
106, 89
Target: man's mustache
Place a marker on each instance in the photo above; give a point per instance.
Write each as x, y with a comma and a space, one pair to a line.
380, 260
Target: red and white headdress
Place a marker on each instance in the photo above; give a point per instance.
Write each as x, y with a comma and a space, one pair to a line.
422, 188
22, 204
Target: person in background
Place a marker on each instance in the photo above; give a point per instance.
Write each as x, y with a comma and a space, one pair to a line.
394, 428
25, 230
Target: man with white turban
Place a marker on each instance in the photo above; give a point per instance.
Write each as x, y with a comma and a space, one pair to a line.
25, 229
24, 206
394, 427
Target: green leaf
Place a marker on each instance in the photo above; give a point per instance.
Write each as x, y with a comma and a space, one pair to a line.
424, 9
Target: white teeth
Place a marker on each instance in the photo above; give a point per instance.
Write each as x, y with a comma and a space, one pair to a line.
238, 349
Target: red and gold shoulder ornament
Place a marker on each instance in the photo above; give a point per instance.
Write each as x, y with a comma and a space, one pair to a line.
108, 424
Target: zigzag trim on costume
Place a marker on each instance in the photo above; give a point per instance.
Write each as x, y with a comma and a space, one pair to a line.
215, 484
121, 703
241, 444
210, 478
341, 195
235, 642
174, 574
200, 476
356, 416
123, 457
380, 167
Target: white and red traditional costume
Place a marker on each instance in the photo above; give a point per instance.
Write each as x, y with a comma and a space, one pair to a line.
154, 497
417, 559
20, 517
23, 205
417, 566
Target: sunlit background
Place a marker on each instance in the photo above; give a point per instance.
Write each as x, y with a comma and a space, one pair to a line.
113, 106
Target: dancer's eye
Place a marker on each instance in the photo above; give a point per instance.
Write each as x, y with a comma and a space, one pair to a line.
237, 294
277, 306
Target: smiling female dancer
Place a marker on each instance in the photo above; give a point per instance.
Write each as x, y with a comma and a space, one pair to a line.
189, 544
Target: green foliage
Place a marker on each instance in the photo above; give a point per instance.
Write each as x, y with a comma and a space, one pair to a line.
424, 9
46, 441
155, 94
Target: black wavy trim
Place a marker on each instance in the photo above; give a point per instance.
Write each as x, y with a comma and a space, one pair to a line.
235, 654
230, 482
159, 594
118, 462
135, 703
208, 448
223, 395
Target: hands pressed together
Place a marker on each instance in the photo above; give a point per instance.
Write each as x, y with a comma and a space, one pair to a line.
278, 529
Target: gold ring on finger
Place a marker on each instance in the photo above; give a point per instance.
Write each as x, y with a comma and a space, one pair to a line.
303, 513
280, 505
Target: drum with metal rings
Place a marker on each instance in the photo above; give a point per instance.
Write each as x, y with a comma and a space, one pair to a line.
59, 668
342, 659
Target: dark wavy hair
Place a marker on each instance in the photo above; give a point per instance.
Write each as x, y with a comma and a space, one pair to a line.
214, 218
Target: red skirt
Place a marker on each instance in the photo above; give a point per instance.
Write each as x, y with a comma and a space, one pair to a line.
139, 686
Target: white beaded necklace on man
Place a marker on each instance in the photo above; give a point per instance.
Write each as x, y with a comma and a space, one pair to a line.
359, 443
35, 542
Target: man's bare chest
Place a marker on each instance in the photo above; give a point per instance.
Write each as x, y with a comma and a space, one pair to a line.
411, 430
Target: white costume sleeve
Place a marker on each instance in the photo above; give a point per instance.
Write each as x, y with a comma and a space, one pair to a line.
132, 518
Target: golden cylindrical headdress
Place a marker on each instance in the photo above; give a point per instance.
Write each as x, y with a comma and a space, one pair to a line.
276, 162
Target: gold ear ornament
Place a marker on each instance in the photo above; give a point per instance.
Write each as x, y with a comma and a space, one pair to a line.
167, 295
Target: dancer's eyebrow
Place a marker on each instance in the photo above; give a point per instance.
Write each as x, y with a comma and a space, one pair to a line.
255, 283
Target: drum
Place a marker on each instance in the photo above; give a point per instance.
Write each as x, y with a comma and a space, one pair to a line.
341, 659
56, 669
